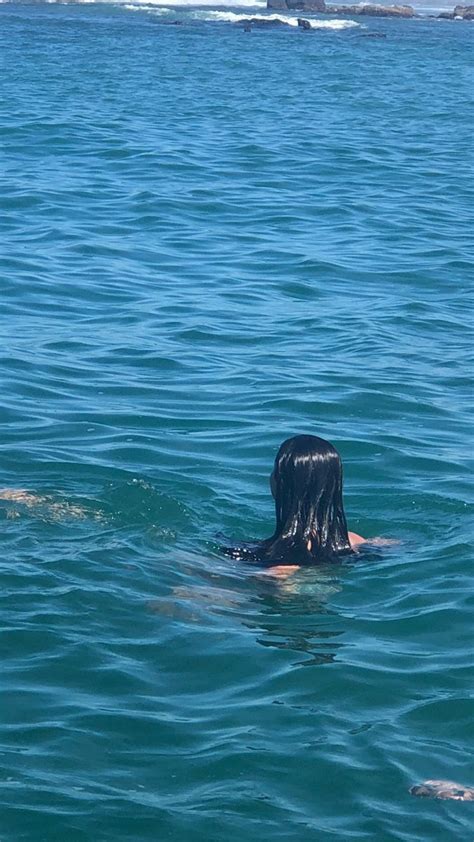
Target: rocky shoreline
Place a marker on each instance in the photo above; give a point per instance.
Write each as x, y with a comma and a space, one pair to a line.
458, 13
366, 10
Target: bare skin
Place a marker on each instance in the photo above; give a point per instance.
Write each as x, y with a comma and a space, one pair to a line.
282, 571
356, 540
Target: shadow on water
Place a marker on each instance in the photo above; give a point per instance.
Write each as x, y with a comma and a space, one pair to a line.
296, 613
296, 617
292, 614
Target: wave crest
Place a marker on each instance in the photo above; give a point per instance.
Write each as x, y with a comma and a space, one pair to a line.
234, 17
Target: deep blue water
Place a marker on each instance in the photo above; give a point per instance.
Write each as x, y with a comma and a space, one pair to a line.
211, 240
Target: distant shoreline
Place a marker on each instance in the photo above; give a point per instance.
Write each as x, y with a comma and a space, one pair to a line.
459, 12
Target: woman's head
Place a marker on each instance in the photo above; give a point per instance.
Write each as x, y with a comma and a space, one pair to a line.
306, 483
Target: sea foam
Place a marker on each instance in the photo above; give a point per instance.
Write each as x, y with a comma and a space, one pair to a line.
234, 17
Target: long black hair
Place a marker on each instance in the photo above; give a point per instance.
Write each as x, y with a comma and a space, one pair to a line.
310, 525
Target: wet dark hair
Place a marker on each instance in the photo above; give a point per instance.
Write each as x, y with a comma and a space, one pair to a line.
310, 525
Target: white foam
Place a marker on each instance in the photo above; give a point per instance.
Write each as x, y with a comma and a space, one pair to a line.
233, 17
333, 24
146, 7
195, 7
219, 13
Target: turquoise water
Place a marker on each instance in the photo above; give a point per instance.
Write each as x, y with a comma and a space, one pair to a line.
212, 240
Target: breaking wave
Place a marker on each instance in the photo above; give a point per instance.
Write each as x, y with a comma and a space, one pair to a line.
234, 17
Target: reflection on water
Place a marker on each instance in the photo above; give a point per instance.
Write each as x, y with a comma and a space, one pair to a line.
192, 604
311, 642
292, 612
283, 613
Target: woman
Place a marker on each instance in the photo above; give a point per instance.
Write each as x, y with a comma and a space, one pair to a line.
311, 527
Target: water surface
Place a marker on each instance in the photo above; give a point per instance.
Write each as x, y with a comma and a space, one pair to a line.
212, 240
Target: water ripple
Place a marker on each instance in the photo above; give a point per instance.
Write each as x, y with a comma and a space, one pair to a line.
209, 242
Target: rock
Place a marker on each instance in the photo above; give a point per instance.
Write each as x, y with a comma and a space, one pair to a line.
368, 9
464, 12
304, 24
373, 10
263, 23
459, 13
388, 11
304, 5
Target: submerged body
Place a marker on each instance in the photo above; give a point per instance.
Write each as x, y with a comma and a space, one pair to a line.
45, 504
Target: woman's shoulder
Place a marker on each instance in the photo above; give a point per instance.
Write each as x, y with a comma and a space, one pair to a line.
356, 540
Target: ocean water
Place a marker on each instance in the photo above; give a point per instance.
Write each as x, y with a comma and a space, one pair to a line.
211, 240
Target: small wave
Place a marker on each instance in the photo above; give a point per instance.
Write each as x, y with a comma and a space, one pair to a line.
234, 17
139, 7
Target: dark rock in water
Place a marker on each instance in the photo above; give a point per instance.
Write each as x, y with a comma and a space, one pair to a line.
304, 24
369, 9
304, 5
373, 10
459, 13
373, 35
263, 23
464, 12
388, 11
